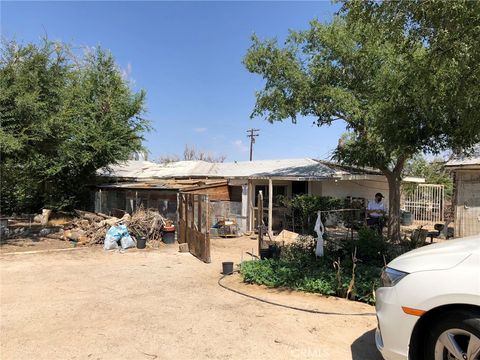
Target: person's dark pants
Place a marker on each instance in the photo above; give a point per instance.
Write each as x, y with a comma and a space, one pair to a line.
376, 223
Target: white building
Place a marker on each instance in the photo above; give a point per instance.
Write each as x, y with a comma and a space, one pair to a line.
288, 177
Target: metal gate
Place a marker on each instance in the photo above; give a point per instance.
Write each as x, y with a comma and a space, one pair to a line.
426, 203
194, 224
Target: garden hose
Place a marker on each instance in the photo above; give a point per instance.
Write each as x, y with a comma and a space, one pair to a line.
311, 311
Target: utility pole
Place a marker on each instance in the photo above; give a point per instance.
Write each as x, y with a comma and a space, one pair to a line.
252, 134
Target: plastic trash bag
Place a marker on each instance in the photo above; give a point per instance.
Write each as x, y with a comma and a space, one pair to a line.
127, 242
320, 230
115, 234
110, 243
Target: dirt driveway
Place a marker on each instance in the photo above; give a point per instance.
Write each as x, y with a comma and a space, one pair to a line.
162, 304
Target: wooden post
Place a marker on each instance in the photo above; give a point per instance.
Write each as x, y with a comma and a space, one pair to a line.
207, 230
250, 211
136, 200
260, 221
199, 213
191, 198
270, 207
185, 208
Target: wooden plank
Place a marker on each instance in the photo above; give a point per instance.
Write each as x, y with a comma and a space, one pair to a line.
207, 230
199, 245
185, 208
191, 231
199, 212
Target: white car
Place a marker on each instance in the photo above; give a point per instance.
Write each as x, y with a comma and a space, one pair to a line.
428, 306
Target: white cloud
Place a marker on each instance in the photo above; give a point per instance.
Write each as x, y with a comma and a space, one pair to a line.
240, 146
127, 73
200, 130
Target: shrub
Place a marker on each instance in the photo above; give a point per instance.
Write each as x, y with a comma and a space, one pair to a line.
298, 268
303, 208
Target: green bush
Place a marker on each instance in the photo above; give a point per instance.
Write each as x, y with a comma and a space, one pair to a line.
303, 209
299, 269
371, 247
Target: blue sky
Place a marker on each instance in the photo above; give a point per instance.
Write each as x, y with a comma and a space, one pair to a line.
188, 57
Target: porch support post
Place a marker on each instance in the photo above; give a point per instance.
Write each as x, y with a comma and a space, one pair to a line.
244, 208
270, 206
251, 214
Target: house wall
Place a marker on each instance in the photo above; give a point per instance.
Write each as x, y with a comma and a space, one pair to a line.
467, 202
356, 188
340, 189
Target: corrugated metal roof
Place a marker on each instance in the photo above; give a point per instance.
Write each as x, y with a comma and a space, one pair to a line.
133, 169
284, 168
295, 168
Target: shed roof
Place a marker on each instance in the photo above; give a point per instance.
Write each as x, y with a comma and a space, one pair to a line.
466, 160
133, 169
162, 184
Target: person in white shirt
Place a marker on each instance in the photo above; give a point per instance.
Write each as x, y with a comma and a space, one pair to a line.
376, 213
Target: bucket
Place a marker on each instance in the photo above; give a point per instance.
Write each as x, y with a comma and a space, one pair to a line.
406, 218
141, 242
227, 267
168, 237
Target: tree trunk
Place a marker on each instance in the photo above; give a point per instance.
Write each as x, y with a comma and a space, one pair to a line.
394, 182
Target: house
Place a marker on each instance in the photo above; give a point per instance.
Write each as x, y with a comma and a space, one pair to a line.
234, 187
466, 197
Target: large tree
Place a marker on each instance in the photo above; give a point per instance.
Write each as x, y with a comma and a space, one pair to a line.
62, 117
402, 75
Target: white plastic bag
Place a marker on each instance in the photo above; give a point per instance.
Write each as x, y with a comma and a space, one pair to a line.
127, 242
320, 230
110, 243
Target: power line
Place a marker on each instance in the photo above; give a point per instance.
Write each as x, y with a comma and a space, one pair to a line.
252, 134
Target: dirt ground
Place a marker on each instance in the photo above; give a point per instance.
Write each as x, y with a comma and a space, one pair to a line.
85, 303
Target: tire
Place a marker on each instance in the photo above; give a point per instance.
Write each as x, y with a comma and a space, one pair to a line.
458, 330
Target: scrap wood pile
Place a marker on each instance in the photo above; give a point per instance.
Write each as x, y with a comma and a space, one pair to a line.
91, 228
147, 223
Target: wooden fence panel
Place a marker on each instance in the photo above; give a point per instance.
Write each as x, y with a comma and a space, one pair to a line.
193, 209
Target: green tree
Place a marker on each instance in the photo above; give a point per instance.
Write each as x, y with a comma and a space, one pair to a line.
62, 118
403, 76
434, 172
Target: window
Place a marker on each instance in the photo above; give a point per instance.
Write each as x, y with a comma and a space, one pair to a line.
299, 187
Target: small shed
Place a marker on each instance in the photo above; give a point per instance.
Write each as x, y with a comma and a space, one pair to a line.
158, 194
466, 199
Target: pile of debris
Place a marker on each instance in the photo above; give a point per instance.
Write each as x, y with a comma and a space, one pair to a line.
91, 228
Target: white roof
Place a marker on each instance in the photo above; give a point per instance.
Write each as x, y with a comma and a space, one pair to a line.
294, 169
305, 168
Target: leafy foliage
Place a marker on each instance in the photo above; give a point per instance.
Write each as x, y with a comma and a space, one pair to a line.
303, 208
298, 269
434, 172
371, 247
402, 75
62, 118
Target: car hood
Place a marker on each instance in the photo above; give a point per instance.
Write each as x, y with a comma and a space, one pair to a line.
440, 256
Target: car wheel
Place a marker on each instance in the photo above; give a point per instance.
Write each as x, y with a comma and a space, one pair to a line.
455, 336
